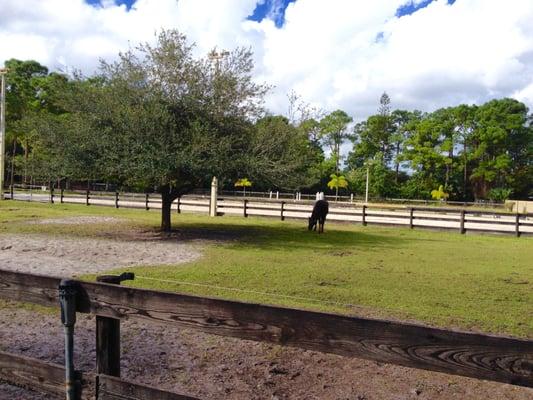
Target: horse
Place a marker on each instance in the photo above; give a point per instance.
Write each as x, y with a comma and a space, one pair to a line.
320, 210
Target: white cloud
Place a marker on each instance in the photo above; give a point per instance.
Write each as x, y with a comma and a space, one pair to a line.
336, 54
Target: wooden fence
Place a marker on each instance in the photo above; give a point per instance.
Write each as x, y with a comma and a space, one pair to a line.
496, 358
451, 218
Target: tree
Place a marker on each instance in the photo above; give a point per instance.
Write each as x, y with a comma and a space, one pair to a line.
439, 194
279, 155
333, 132
161, 119
336, 182
25, 96
501, 145
244, 183
384, 105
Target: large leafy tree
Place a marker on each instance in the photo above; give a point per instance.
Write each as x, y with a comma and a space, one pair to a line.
30, 95
159, 118
501, 146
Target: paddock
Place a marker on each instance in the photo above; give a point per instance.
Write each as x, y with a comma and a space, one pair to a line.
475, 283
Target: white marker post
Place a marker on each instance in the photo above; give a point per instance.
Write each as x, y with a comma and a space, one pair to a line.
214, 198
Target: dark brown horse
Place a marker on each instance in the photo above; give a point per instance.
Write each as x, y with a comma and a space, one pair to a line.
320, 210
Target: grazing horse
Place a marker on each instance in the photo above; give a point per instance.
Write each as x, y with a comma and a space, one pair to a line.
320, 210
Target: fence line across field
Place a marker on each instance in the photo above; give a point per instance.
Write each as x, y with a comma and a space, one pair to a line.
459, 219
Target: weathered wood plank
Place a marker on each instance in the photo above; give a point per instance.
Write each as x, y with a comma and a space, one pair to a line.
495, 358
29, 288
111, 388
39, 375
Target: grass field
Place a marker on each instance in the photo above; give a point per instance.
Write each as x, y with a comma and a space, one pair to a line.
476, 282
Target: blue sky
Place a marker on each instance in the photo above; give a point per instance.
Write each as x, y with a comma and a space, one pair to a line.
275, 9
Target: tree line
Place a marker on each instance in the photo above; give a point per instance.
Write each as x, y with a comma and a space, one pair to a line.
162, 119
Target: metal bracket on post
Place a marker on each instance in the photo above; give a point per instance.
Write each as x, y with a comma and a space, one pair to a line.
67, 301
108, 334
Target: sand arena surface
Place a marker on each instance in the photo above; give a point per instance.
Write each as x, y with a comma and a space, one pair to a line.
67, 257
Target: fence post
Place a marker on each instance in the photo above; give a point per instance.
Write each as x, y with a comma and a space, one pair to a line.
411, 217
463, 230
178, 205
11, 192
67, 301
244, 208
517, 225
351, 197
116, 199
282, 209
277, 194
146, 202
51, 193
87, 197
108, 334
62, 195
364, 216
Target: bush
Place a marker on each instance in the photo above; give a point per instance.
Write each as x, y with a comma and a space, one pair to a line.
499, 194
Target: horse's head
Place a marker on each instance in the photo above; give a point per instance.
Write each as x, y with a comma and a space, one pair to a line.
312, 223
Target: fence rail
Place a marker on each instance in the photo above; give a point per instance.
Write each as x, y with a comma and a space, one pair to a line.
49, 378
491, 357
459, 219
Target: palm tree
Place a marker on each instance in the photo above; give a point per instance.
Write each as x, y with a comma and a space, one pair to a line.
243, 182
336, 182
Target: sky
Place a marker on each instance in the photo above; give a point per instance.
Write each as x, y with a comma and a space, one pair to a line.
335, 54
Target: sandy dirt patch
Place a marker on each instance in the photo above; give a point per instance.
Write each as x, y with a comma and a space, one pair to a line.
59, 256
86, 219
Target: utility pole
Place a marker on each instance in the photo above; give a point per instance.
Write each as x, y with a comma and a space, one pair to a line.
367, 179
3, 72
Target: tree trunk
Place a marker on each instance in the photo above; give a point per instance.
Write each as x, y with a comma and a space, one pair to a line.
167, 197
166, 223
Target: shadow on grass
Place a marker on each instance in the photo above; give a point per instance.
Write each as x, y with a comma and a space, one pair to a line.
282, 237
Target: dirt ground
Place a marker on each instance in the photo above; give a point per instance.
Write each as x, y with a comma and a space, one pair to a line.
58, 256
201, 365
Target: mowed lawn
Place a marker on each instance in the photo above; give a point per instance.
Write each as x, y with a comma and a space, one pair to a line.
473, 282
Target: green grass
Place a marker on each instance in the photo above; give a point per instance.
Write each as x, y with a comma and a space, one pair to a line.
476, 282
